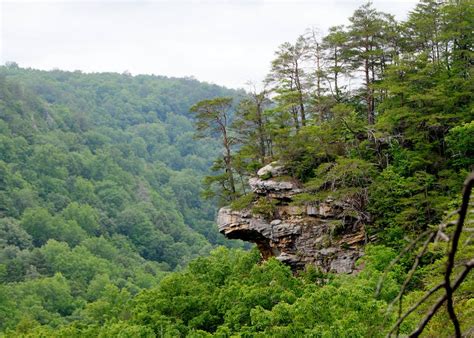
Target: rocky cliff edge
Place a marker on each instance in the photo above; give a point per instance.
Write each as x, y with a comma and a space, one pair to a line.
319, 233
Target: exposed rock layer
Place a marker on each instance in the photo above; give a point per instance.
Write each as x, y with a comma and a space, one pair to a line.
321, 234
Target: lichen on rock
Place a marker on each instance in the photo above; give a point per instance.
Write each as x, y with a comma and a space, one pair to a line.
273, 169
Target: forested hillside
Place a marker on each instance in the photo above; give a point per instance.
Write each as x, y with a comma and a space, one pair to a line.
100, 187
101, 178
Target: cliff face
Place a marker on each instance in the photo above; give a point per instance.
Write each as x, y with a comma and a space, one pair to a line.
321, 234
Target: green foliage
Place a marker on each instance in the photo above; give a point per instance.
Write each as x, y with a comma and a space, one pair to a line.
85, 216
402, 204
231, 293
216, 292
213, 119
41, 226
12, 234
99, 193
460, 141
343, 173
243, 202
265, 207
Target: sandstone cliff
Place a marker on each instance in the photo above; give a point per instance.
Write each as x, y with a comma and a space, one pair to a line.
320, 233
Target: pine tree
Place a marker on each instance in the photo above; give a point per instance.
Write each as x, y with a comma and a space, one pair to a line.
367, 48
423, 30
335, 44
318, 77
251, 124
289, 79
213, 120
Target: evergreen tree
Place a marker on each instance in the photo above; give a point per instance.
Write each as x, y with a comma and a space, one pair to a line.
423, 30
288, 77
366, 47
212, 119
251, 124
335, 44
317, 98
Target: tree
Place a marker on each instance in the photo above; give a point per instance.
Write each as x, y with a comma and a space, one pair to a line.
423, 30
251, 125
213, 120
85, 216
289, 77
458, 40
12, 234
335, 45
317, 55
365, 34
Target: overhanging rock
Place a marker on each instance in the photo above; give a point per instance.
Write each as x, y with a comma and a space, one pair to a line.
320, 234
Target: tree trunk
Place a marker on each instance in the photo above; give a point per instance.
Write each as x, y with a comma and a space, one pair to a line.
261, 132
369, 96
372, 91
294, 113
228, 163
300, 94
336, 74
318, 86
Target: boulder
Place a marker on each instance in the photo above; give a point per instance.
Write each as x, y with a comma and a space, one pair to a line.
274, 188
273, 169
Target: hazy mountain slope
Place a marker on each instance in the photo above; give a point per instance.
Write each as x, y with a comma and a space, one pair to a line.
99, 182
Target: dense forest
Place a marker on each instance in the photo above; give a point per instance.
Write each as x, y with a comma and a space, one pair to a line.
107, 230
100, 185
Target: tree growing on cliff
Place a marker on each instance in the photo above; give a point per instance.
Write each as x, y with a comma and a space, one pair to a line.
251, 124
367, 47
289, 79
213, 120
336, 55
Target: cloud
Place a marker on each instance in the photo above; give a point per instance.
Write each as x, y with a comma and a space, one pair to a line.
224, 42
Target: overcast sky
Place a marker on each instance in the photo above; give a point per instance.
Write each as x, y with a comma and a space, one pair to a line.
224, 42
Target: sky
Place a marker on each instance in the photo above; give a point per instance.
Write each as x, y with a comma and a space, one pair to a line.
227, 42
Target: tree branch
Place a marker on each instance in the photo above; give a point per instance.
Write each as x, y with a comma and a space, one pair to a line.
414, 307
396, 259
407, 280
446, 284
452, 253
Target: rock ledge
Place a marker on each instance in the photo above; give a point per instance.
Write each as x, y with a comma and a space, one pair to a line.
319, 234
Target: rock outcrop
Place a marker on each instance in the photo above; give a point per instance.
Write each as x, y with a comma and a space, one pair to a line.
322, 233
